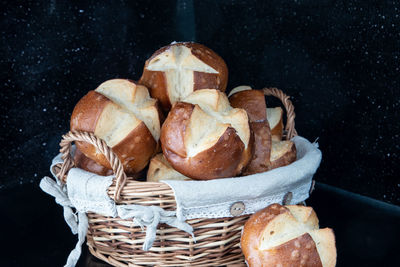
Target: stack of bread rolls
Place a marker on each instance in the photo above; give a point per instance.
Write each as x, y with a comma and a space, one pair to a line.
206, 135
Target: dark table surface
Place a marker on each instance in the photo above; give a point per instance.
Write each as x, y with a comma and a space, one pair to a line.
34, 232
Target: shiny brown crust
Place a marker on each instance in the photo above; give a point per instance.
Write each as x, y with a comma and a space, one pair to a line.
209, 80
290, 253
87, 164
174, 127
84, 118
155, 81
262, 149
253, 230
253, 101
300, 251
277, 131
160, 169
288, 158
226, 158
134, 151
219, 161
87, 111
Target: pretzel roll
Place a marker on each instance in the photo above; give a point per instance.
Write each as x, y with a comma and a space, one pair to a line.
282, 153
204, 138
275, 119
175, 71
287, 236
160, 169
253, 101
87, 164
122, 114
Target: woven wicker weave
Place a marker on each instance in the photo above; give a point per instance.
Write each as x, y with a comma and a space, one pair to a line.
119, 242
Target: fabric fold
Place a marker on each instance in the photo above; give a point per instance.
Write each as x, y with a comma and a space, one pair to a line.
87, 192
77, 223
50, 186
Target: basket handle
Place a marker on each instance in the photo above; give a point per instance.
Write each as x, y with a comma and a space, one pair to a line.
289, 128
101, 145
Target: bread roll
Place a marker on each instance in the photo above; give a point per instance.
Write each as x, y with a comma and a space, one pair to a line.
175, 71
267, 124
204, 138
238, 89
275, 120
282, 153
87, 164
160, 169
274, 115
122, 114
287, 236
253, 101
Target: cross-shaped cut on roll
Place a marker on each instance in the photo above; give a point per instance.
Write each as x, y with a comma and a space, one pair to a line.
266, 123
175, 71
204, 138
287, 236
124, 115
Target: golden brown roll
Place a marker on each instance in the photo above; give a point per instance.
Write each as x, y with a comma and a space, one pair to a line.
282, 153
176, 70
253, 101
87, 164
122, 114
275, 120
287, 236
267, 125
160, 169
204, 138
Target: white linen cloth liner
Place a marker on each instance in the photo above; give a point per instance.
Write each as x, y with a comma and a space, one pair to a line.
86, 191
213, 199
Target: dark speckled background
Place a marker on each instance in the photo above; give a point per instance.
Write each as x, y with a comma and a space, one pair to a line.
339, 60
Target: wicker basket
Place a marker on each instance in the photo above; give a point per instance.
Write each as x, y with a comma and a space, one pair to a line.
119, 242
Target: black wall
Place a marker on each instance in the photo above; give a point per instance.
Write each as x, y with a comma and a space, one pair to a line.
339, 60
